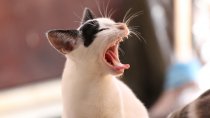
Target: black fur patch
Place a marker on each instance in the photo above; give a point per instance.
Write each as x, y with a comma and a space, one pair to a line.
182, 113
88, 31
203, 107
207, 93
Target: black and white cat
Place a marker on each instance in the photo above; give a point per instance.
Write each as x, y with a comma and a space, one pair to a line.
90, 88
199, 108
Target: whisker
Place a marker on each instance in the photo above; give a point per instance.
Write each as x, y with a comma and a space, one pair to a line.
78, 22
137, 35
106, 9
111, 12
99, 9
134, 27
77, 16
131, 17
126, 15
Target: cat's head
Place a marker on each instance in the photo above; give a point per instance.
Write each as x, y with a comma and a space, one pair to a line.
94, 44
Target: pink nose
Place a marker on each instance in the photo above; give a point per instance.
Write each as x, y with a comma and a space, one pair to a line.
121, 26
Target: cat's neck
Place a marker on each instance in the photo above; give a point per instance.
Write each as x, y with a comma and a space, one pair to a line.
84, 71
79, 82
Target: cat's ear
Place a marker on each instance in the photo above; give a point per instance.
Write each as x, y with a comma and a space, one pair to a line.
63, 40
87, 15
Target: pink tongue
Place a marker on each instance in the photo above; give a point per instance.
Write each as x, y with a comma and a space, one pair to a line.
122, 66
111, 56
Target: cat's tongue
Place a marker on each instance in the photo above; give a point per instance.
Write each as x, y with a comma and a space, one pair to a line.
112, 59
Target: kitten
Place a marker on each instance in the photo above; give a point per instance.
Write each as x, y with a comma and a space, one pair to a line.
200, 108
90, 88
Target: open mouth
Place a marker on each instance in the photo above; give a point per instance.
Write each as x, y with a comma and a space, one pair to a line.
111, 57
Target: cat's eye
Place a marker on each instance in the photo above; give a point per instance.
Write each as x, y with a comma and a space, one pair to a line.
102, 29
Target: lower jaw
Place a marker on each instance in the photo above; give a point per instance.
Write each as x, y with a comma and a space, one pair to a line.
116, 72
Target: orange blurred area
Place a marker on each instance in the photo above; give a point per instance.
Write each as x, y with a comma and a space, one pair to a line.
30, 69
26, 55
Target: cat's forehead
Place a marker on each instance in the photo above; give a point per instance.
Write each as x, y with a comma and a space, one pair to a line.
98, 22
105, 21
90, 28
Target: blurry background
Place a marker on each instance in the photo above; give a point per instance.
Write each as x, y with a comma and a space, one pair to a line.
30, 69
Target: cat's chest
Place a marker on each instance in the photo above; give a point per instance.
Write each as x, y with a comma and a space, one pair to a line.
91, 88
102, 96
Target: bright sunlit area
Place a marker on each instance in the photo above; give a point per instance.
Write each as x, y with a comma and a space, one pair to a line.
170, 50
36, 100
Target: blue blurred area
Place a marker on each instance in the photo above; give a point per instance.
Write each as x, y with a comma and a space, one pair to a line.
180, 74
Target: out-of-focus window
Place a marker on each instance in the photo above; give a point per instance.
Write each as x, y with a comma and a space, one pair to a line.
25, 54
26, 57
201, 33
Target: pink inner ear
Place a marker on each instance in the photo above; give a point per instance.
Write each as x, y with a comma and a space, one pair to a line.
69, 45
63, 40
64, 46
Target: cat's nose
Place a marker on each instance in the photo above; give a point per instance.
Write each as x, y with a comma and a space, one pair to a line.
121, 26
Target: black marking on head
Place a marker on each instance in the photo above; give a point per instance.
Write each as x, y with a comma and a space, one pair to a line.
207, 93
88, 31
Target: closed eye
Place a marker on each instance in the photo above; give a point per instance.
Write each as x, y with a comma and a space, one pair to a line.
102, 29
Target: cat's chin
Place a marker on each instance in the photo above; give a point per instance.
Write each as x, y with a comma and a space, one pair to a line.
117, 73
111, 58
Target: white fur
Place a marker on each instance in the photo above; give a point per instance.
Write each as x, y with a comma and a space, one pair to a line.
90, 89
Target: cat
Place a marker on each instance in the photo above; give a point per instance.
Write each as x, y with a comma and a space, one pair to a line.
90, 88
199, 108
